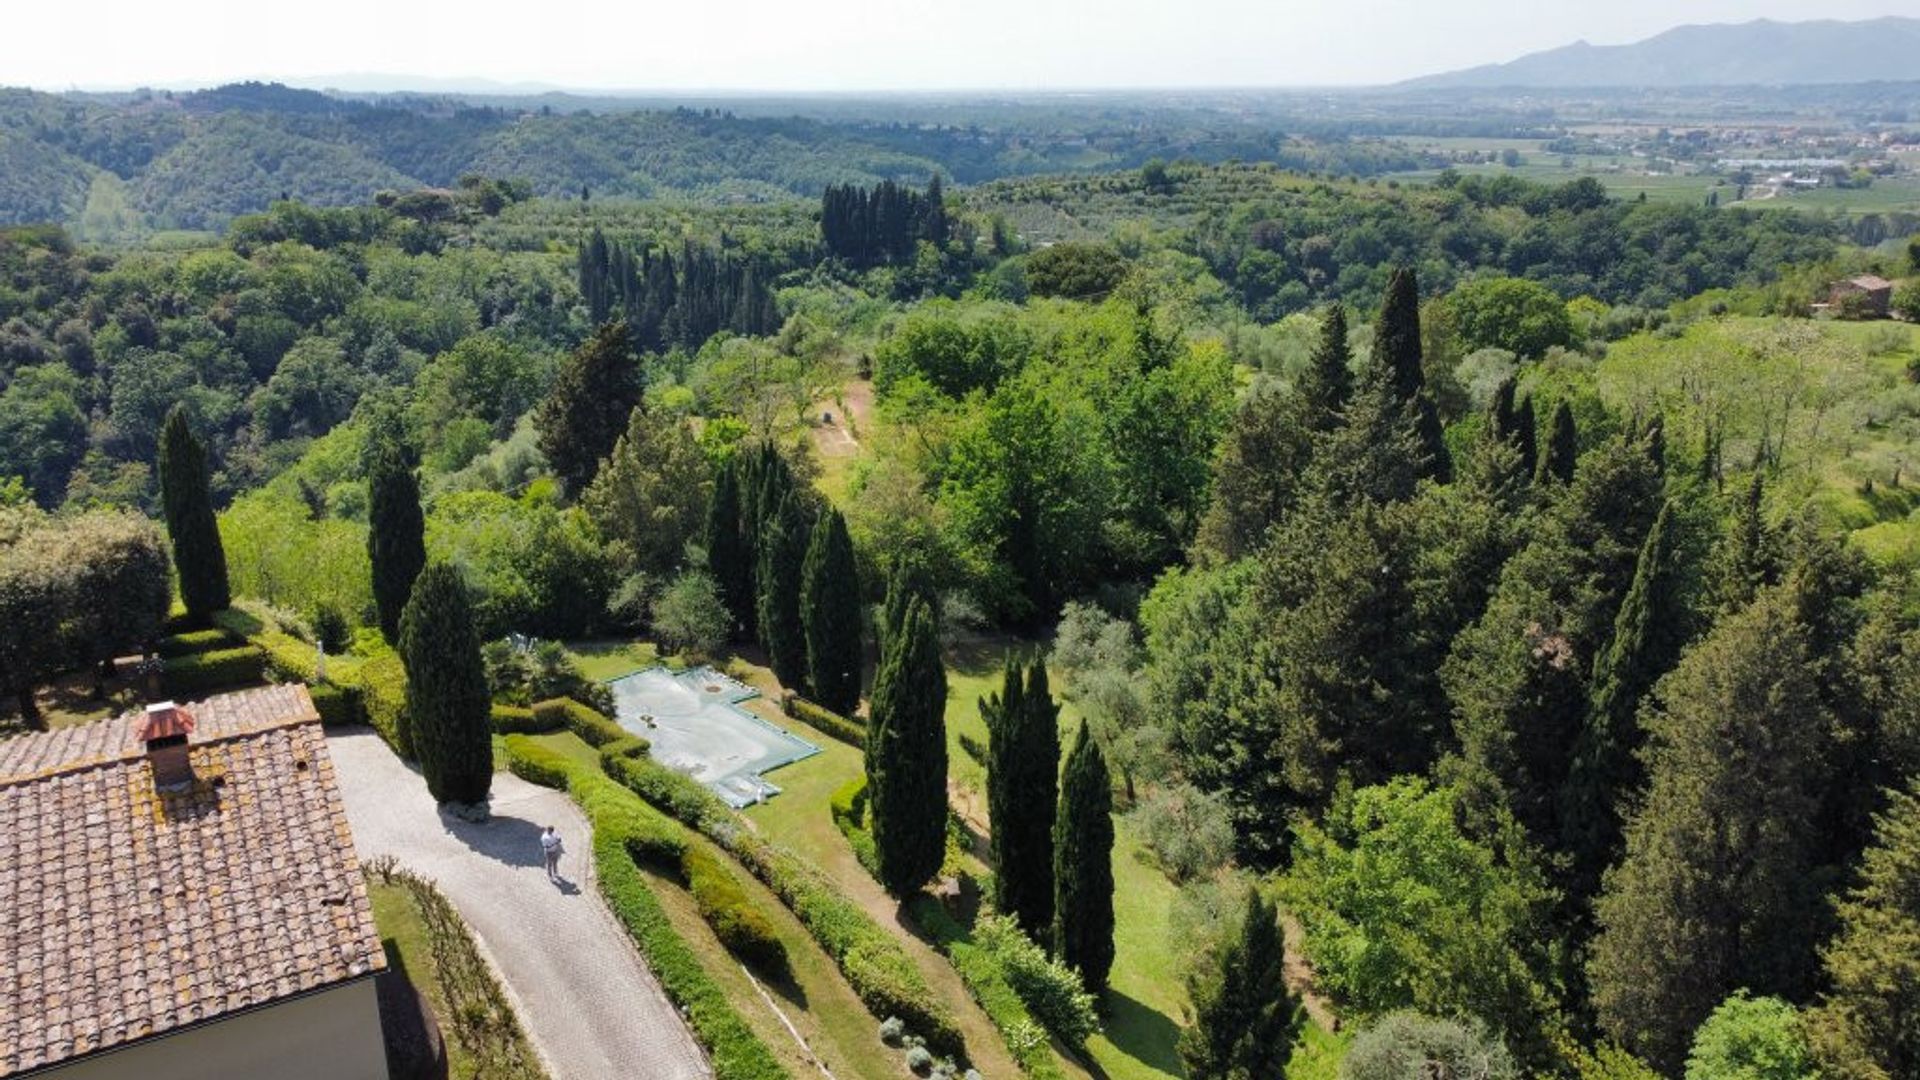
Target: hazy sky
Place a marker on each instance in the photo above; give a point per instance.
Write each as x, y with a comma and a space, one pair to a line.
828, 44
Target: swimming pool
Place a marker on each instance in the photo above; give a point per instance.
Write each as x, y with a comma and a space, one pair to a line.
695, 723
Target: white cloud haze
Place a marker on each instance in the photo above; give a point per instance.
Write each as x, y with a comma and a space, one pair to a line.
828, 45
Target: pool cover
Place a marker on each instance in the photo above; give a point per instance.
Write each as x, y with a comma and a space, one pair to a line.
695, 723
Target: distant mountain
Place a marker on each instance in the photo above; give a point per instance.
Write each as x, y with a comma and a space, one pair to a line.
1758, 53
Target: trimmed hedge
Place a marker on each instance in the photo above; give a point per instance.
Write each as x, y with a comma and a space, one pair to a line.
337, 706
517, 720
197, 674
193, 641
593, 726
827, 722
987, 982
618, 826
848, 806
381, 682
371, 689
873, 961
726, 906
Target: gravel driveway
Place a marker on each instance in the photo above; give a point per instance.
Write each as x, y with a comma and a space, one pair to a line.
583, 993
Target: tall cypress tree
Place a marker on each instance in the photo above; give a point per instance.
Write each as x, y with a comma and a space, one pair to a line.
1526, 435
1244, 1018
726, 548
447, 699
1648, 633
1083, 866
1328, 381
184, 496
1721, 877
783, 552
396, 533
907, 583
1397, 352
830, 614
907, 754
1750, 555
592, 401
1562, 449
1023, 767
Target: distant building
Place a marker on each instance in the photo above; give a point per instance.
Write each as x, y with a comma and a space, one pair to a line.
180, 898
1877, 291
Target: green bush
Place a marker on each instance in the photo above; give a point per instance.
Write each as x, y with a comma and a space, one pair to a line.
593, 727
518, 720
199, 674
382, 682
827, 722
620, 826
848, 805
1051, 990
987, 982
875, 965
193, 641
336, 705
728, 908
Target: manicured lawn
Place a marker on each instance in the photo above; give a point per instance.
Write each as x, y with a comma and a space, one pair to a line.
605, 660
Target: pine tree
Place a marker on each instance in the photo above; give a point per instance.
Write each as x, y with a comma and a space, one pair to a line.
1083, 866
1721, 878
1397, 354
1868, 1026
396, 533
1023, 767
448, 704
184, 496
782, 558
591, 403
1562, 448
907, 754
830, 613
1328, 381
1244, 1017
1648, 634
727, 557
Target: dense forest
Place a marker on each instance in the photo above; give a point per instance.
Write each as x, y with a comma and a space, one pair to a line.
1512, 585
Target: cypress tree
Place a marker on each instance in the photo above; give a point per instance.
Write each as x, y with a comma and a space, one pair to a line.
1751, 555
783, 550
1244, 1018
1397, 353
1023, 767
907, 583
907, 754
727, 556
1328, 381
1255, 473
188, 504
1526, 436
1562, 448
591, 403
1647, 638
1720, 882
830, 613
447, 699
1083, 866
396, 533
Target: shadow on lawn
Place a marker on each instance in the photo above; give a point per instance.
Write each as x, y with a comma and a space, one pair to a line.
1143, 1033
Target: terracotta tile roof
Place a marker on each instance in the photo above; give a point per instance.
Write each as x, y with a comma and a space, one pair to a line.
165, 720
127, 912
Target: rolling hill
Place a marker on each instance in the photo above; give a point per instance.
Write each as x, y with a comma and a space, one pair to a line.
1761, 52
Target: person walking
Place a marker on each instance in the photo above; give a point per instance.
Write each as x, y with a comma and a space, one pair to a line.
550, 848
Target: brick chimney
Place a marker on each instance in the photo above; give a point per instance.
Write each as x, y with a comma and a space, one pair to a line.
164, 729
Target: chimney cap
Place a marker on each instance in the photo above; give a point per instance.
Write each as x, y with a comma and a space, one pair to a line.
165, 720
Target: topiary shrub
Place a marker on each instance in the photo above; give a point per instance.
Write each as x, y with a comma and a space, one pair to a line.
518, 720
534, 763
827, 722
593, 726
336, 705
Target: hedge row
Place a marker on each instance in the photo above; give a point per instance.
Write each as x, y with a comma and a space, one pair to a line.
729, 909
193, 641
873, 961
371, 689
827, 722
987, 982
593, 726
619, 826
518, 720
848, 805
198, 674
